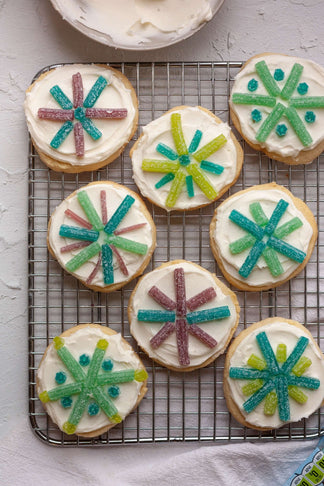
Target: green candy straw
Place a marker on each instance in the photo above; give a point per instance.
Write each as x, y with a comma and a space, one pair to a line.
90, 210
272, 262
177, 134
268, 81
128, 245
297, 394
252, 387
250, 99
176, 188
281, 353
202, 181
270, 403
271, 121
258, 214
82, 257
307, 102
301, 366
210, 148
298, 126
151, 165
256, 362
292, 81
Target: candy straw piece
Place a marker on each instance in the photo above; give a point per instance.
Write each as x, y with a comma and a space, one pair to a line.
202, 181
287, 228
166, 151
89, 210
203, 336
301, 366
144, 315
162, 335
211, 167
246, 224
180, 291
103, 204
95, 92
107, 265
78, 233
190, 187
64, 391
176, 188
82, 257
77, 87
79, 408
208, 315
298, 126
150, 165
270, 122
61, 98
128, 229
55, 114
61, 135
297, 394
267, 351
252, 258
162, 182
71, 363
177, 134
119, 214
182, 342
281, 353
91, 129
307, 102
283, 398
94, 271
272, 262
247, 374
128, 245
79, 139
242, 244
288, 250
252, 387
268, 81
161, 298
294, 356
304, 382
105, 404
257, 397
82, 222
194, 144
103, 113
253, 99
210, 148
270, 403
256, 362
95, 362
258, 214
116, 377
292, 81
200, 299
120, 260
74, 246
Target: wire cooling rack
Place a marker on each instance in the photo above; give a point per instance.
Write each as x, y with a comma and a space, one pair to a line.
178, 406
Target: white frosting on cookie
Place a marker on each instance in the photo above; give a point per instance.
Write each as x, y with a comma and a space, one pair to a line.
279, 332
227, 232
84, 341
115, 132
159, 131
288, 145
115, 194
197, 279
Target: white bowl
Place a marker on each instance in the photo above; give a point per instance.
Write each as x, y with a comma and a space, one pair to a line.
90, 16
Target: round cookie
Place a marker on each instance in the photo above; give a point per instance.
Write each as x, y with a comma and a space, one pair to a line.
182, 316
274, 374
103, 235
277, 104
262, 237
83, 406
80, 116
186, 159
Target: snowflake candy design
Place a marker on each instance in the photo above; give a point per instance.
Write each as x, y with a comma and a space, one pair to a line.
283, 102
275, 377
77, 115
185, 165
265, 238
88, 387
180, 316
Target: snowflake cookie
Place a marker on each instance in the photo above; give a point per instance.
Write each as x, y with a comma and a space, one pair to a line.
182, 316
103, 235
186, 159
262, 236
80, 116
90, 379
277, 104
274, 374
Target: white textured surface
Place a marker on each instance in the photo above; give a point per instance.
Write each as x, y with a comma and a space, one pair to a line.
33, 35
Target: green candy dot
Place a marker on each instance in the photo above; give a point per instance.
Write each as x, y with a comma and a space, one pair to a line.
113, 391
279, 75
256, 115
281, 130
66, 402
302, 88
60, 377
310, 117
93, 409
107, 365
84, 359
253, 85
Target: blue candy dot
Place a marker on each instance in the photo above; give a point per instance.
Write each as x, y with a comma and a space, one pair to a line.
302, 88
84, 359
256, 115
279, 75
93, 409
113, 391
253, 85
281, 130
60, 377
66, 402
310, 117
107, 365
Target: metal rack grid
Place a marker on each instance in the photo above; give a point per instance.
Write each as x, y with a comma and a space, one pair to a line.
178, 406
